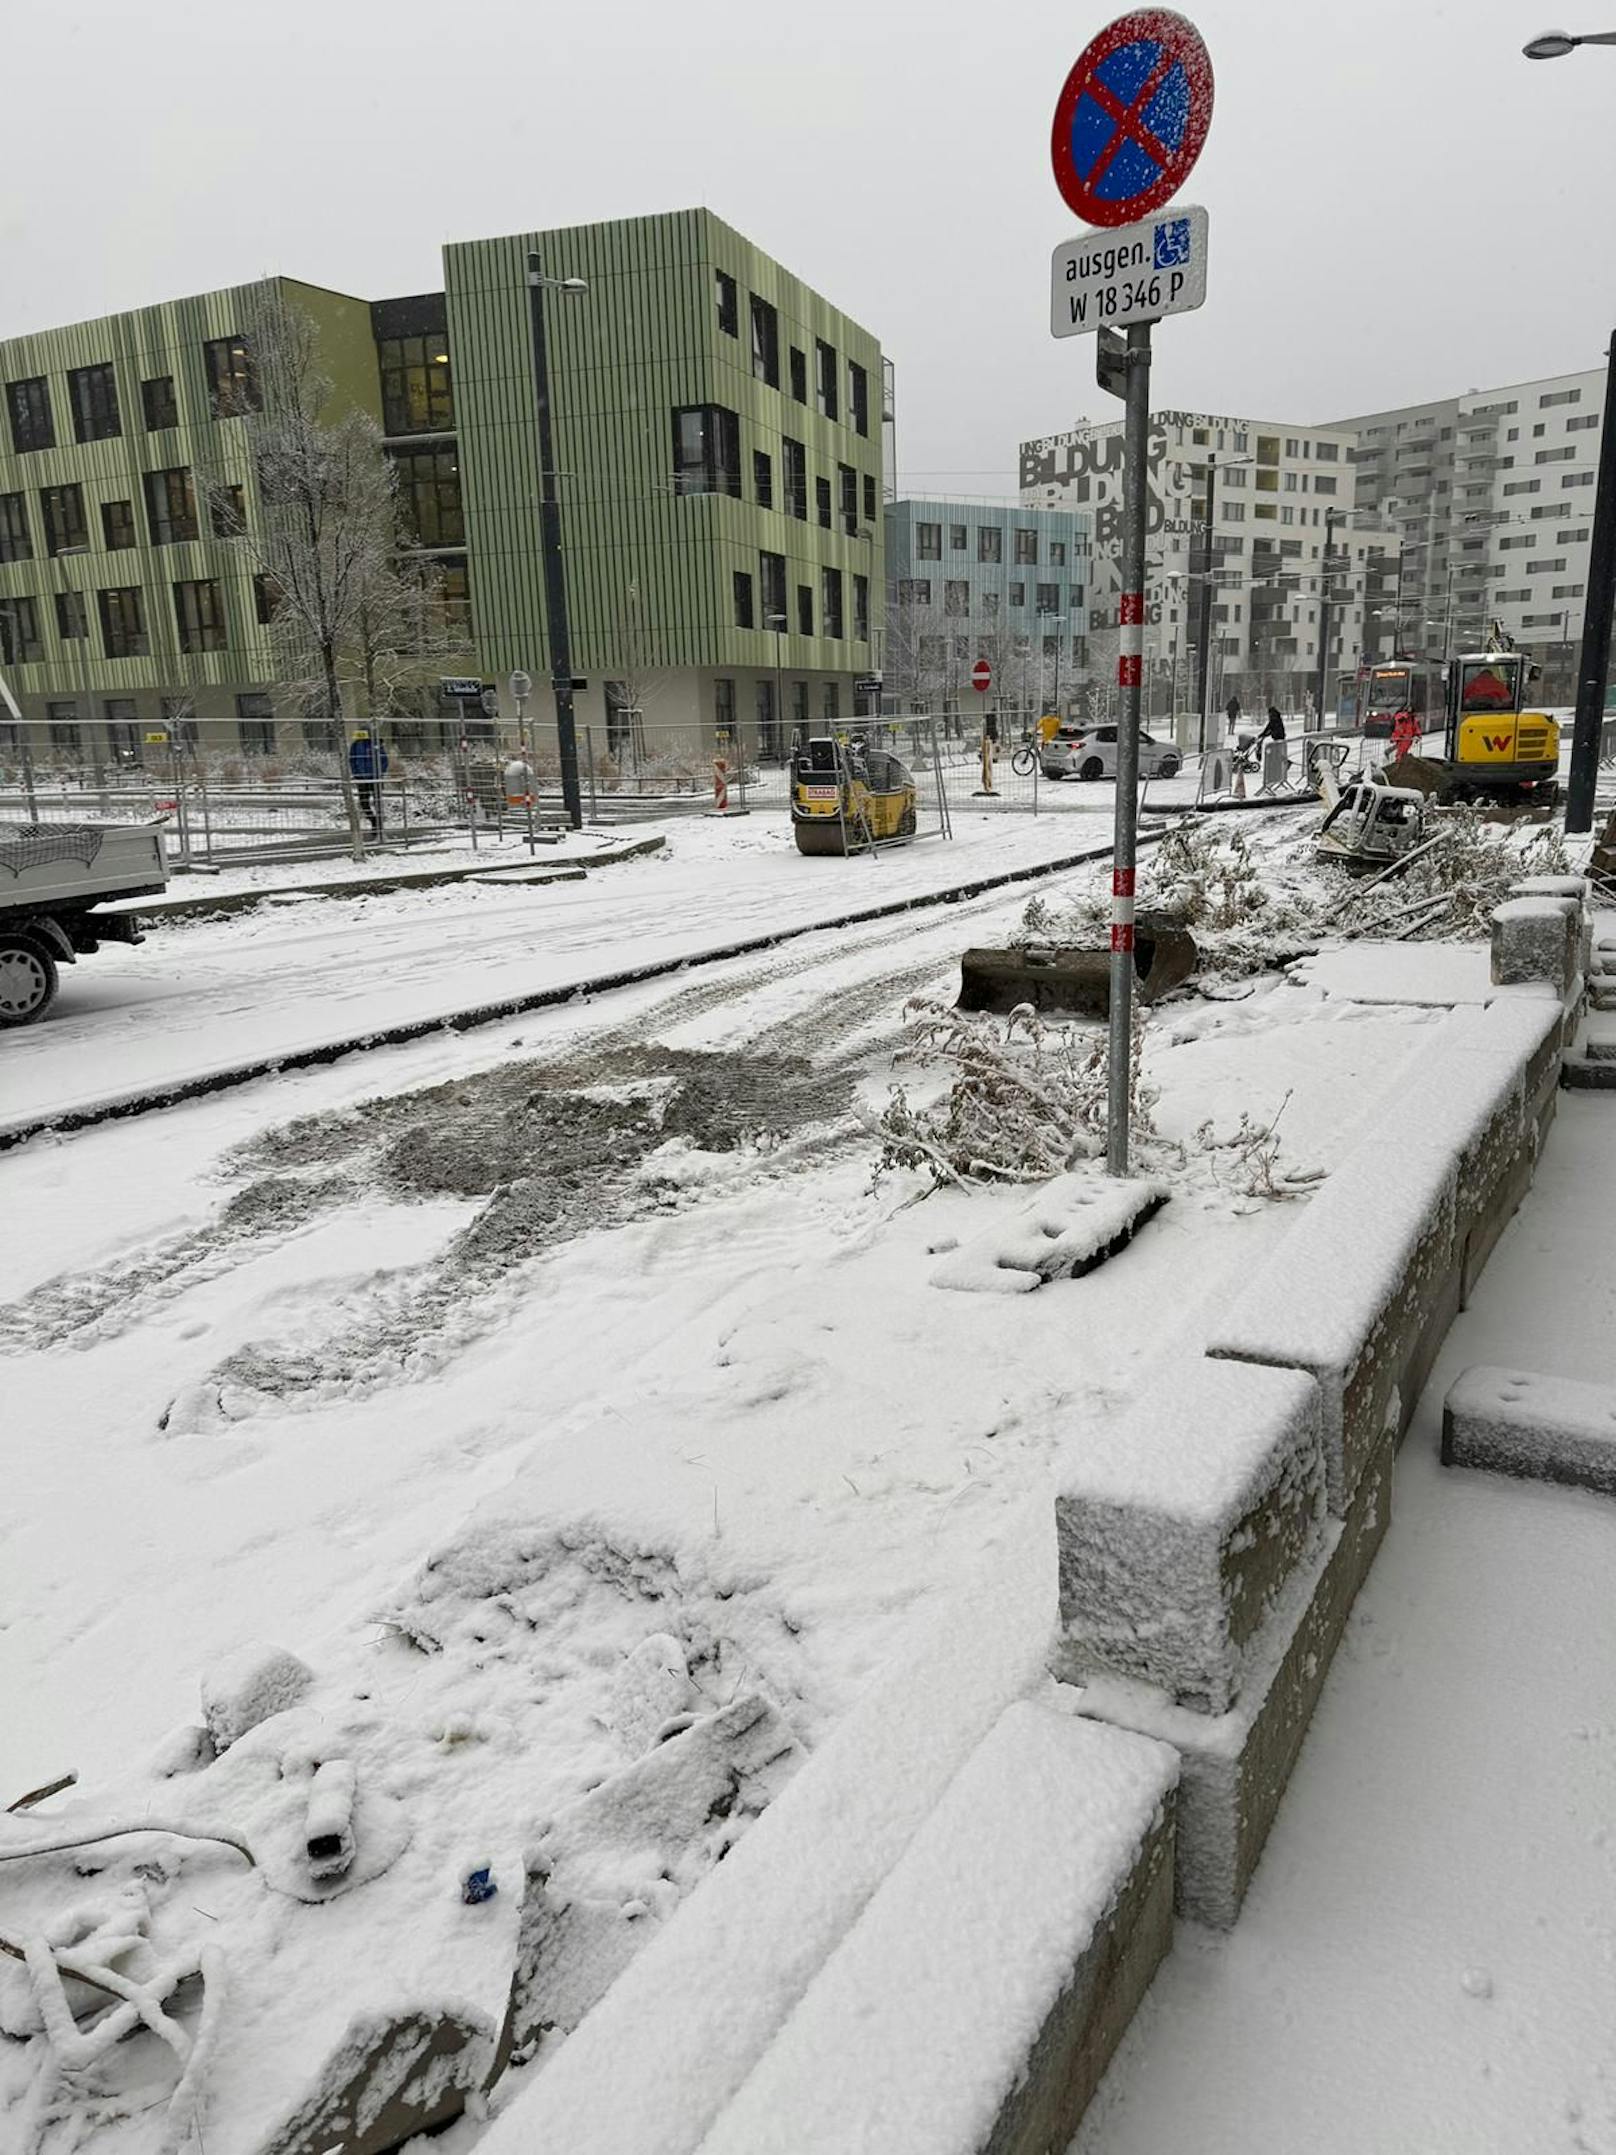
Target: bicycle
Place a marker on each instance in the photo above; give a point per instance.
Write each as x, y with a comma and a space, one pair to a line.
1024, 759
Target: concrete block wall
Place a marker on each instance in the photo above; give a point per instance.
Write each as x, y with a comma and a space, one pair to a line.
1348, 1312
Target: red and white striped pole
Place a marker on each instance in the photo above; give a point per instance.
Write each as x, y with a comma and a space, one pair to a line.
1130, 673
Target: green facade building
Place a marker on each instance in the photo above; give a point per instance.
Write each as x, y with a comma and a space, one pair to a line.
718, 458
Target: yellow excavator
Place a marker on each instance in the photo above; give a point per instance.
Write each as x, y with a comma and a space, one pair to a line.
847, 797
1493, 748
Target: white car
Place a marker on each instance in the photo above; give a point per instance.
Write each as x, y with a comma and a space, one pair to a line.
1091, 752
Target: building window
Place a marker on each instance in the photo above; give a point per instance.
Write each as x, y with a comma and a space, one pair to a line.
914, 591
956, 597
796, 478
772, 589
724, 294
724, 706
1572, 538
989, 543
1323, 482
157, 403
267, 596
1525, 538
199, 611
15, 544
1026, 546
990, 604
858, 397
63, 720
118, 525
743, 599
232, 378
959, 538
1326, 452
1057, 553
62, 509
762, 479
417, 391
1522, 486
825, 378
799, 375
123, 622
1018, 594
1572, 478
123, 730
1559, 396
822, 501
706, 450
93, 393
1235, 511
861, 608
1047, 598
71, 620
170, 506
1577, 426
429, 494
255, 723
28, 404
765, 342
869, 498
227, 512
805, 609
847, 482
831, 703
1567, 591
179, 716
928, 542
1554, 456
19, 632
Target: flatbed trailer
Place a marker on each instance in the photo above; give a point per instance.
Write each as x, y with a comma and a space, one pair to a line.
53, 877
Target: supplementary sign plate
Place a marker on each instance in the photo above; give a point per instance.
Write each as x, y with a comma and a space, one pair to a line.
1137, 273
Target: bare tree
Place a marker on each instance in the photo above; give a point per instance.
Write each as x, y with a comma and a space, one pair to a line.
636, 665
326, 537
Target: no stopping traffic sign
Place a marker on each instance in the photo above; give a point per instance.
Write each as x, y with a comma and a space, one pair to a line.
1132, 117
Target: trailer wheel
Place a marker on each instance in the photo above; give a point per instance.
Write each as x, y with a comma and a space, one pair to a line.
27, 980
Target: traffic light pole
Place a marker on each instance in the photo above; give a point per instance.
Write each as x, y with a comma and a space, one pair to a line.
1130, 668
1593, 669
555, 578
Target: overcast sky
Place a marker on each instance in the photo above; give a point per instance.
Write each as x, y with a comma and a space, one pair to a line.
1401, 206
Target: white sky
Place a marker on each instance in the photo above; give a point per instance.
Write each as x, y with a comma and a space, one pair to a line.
1401, 205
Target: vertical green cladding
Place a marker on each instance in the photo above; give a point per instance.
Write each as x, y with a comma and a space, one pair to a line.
648, 570
150, 342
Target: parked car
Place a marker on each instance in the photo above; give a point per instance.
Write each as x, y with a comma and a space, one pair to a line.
1091, 752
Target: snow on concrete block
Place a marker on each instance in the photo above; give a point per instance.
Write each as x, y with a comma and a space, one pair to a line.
247, 1687
1234, 1768
665, 2049
650, 1689
1179, 1524
1574, 887
614, 1865
1541, 1428
973, 2006
390, 2080
1359, 1293
1536, 939
1073, 1225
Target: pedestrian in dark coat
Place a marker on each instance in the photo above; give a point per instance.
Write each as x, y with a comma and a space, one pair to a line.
367, 763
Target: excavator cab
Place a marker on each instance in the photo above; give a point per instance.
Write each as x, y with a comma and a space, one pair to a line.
1492, 744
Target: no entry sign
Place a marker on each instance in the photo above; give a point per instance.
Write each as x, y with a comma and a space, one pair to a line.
1132, 117
981, 676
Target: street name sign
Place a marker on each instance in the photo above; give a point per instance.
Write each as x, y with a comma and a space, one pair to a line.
1133, 273
1132, 117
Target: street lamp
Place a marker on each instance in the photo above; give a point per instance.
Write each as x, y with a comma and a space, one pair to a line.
555, 580
1332, 517
1203, 632
1555, 44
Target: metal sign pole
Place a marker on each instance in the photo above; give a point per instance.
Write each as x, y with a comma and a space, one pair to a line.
1593, 670
1130, 652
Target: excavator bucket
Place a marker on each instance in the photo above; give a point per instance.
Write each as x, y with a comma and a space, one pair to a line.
1058, 978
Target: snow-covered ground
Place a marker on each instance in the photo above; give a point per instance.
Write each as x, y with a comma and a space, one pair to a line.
1427, 1957
465, 1395
207, 995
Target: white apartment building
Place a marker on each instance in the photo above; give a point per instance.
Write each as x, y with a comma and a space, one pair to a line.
1491, 494
1281, 494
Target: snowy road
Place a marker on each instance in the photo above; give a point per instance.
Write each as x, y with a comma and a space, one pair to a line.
211, 995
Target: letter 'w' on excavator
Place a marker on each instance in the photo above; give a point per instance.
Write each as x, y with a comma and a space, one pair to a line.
847, 797
1493, 748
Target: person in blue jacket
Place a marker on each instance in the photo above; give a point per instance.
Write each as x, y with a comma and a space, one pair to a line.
367, 760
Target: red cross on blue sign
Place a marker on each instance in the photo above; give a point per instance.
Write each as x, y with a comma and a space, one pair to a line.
1132, 117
